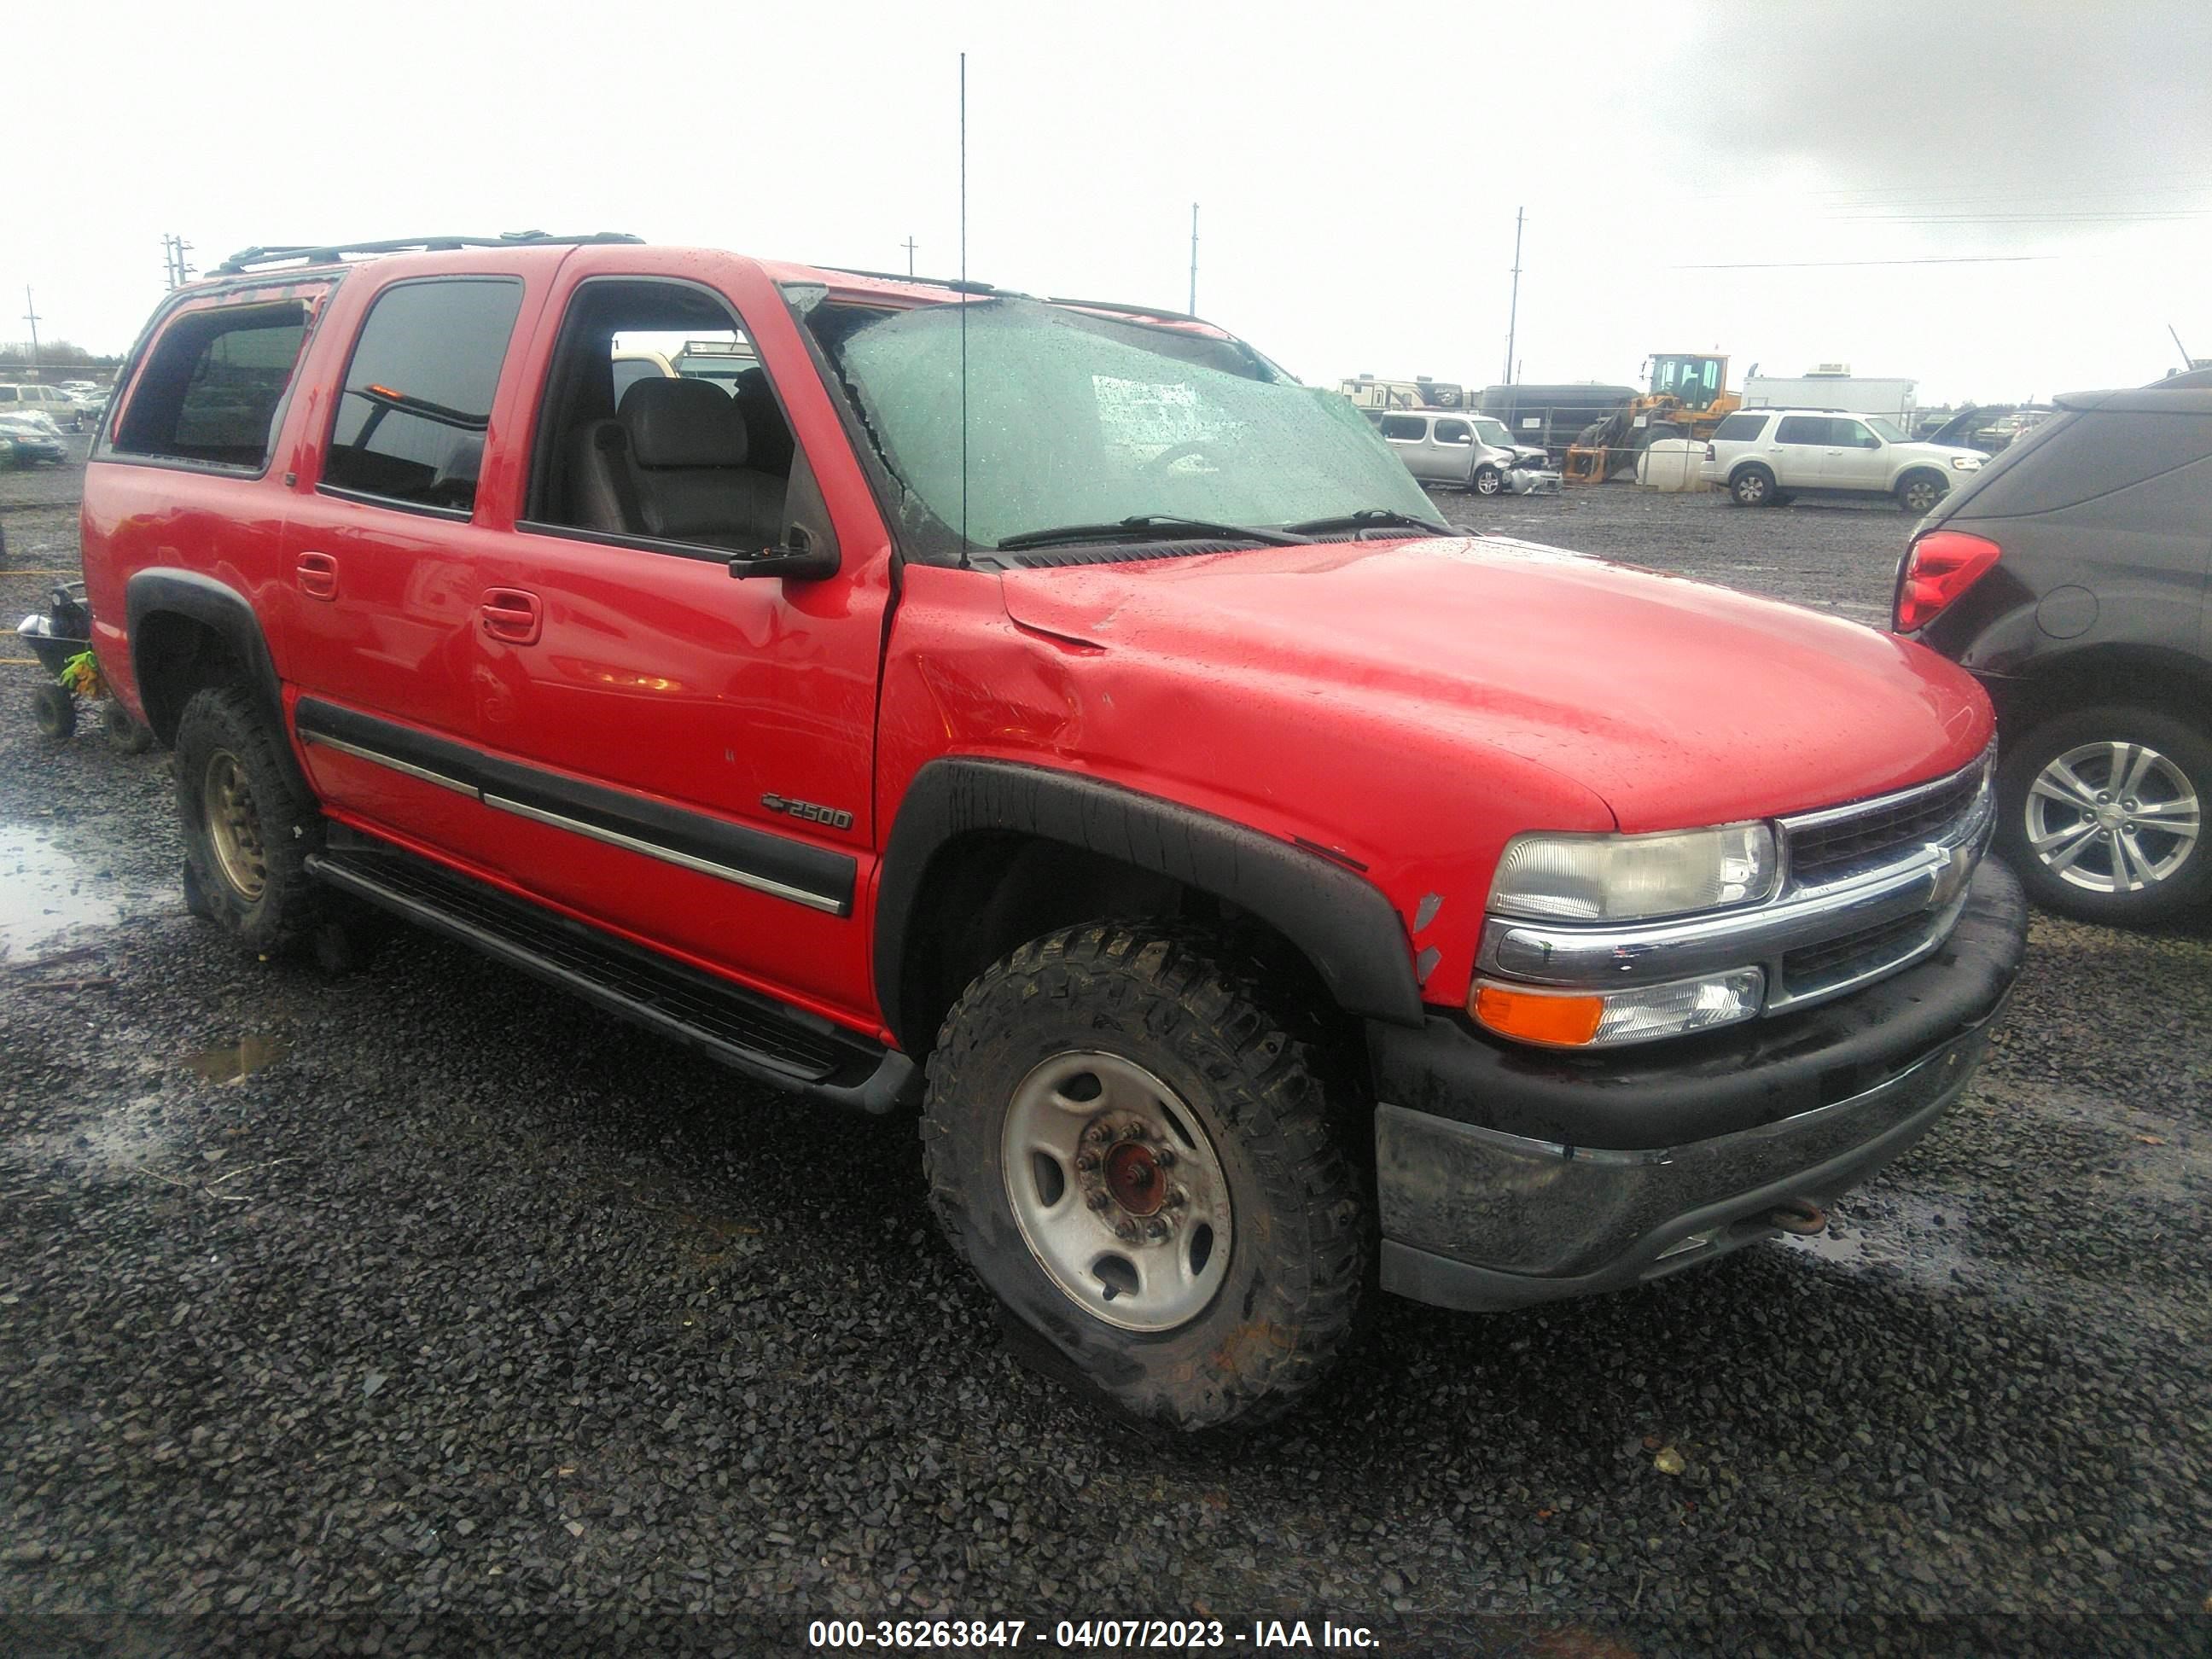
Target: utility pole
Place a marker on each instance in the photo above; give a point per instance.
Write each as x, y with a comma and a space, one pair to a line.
1193, 260
31, 316
173, 249
908, 246
1513, 314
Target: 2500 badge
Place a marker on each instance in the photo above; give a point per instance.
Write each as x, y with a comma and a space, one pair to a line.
828, 816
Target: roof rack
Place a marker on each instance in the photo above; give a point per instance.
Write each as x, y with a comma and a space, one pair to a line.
957, 284
326, 253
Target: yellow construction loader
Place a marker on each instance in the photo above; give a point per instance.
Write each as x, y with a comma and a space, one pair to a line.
1689, 397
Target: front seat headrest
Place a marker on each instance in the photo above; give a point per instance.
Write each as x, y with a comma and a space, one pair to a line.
682, 423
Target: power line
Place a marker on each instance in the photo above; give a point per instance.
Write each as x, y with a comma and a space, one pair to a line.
1816, 265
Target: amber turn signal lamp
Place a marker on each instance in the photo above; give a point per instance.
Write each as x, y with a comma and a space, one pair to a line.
1564, 1022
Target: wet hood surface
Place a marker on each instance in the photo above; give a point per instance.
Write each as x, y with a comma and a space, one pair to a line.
1675, 702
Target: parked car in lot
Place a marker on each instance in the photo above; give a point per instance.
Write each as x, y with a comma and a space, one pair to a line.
50, 401
1765, 457
2070, 576
1075, 733
1464, 450
25, 439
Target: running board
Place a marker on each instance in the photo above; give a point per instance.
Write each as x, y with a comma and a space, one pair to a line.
744, 1031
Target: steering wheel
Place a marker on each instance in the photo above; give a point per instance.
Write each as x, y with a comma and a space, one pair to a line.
1168, 457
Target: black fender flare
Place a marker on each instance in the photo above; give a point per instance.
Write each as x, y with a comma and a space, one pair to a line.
1342, 923
214, 605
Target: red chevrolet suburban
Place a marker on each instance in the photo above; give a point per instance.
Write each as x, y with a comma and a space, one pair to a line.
1048, 718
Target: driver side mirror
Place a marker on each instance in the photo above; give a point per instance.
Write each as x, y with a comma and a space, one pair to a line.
808, 551
797, 557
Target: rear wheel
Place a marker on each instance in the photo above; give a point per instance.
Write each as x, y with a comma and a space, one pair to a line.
1917, 492
249, 823
2103, 813
1134, 1154
1753, 486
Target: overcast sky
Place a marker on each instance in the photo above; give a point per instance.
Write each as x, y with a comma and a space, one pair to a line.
1357, 170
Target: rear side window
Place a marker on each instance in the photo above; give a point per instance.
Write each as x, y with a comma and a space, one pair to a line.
1802, 430
1741, 428
213, 385
1405, 429
411, 420
2079, 457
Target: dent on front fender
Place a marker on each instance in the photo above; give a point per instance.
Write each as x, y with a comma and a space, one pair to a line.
1337, 772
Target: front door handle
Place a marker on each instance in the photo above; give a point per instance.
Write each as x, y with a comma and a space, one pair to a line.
513, 615
318, 575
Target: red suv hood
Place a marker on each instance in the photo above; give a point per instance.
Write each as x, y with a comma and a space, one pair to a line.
1676, 702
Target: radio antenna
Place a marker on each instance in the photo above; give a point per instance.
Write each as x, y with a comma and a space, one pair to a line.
963, 311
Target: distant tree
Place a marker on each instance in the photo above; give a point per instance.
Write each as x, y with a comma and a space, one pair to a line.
52, 354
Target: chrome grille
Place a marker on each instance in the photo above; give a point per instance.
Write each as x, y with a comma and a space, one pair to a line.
1815, 968
1843, 843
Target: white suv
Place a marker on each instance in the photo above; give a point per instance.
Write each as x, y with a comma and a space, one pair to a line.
1762, 457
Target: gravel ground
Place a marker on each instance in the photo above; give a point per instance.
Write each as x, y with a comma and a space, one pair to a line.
361, 1298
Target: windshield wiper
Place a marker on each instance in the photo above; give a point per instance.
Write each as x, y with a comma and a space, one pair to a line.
1366, 518
1148, 527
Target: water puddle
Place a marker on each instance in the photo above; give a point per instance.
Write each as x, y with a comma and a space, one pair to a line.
45, 893
242, 1059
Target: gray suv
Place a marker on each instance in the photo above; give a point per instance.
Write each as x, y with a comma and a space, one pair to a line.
2070, 576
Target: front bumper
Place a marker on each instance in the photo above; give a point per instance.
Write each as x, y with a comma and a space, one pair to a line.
1508, 1176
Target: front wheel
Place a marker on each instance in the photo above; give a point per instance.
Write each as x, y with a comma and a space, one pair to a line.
1488, 480
1135, 1157
54, 710
2102, 814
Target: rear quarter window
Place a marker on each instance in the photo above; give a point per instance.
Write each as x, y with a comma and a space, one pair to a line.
1740, 429
213, 385
2082, 456
1405, 429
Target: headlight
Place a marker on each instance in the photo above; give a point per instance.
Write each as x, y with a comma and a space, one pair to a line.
1623, 877
1967, 463
1589, 1019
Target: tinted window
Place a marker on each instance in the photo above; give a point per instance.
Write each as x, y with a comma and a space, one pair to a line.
1739, 427
1802, 430
212, 385
1407, 428
1850, 435
1454, 431
2076, 458
417, 400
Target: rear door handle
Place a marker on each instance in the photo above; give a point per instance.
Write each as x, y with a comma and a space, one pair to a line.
513, 615
318, 575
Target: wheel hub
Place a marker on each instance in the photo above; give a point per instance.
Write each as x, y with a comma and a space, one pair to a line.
1134, 1179
234, 825
1117, 1190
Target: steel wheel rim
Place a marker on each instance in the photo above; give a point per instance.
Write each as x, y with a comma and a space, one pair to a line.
2112, 818
1117, 1191
234, 825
